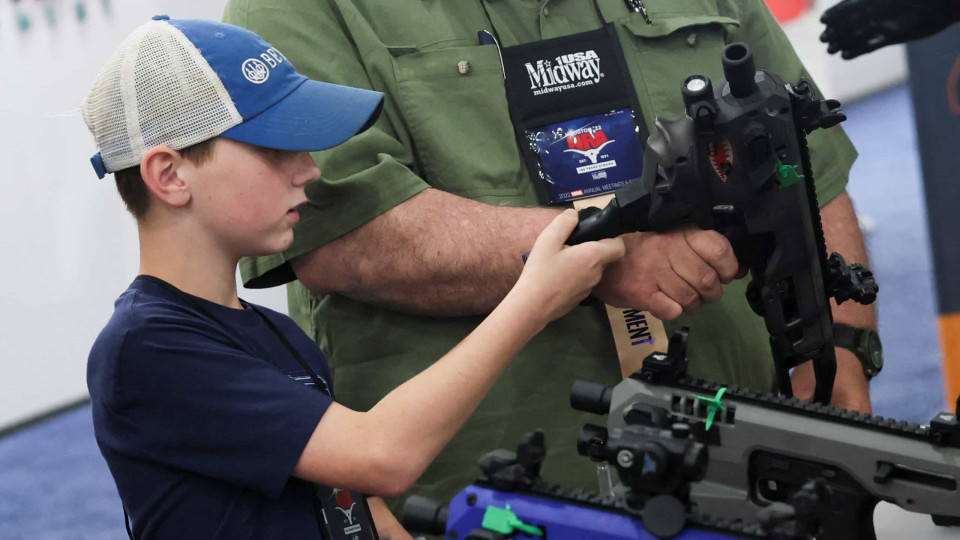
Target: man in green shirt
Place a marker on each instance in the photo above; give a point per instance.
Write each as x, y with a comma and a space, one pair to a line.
418, 226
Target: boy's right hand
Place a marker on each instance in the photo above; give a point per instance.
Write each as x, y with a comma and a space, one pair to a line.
557, 277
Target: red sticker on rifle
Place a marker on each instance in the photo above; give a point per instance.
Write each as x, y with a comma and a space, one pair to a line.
721, 158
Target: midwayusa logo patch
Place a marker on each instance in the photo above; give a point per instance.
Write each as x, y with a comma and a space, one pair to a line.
564, 72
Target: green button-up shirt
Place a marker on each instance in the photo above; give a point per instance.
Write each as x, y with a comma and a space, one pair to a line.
444, 129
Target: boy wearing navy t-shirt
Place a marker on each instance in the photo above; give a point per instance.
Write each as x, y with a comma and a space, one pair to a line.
216, 416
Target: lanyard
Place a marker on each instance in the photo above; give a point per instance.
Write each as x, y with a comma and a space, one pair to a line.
189, 300
580, 132
634, 6
493, 29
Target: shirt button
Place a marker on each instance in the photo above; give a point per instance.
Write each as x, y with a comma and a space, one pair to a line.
463, 67
546, 12
692, 40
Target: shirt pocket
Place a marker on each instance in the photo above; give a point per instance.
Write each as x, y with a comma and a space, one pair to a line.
663, 54
459, 122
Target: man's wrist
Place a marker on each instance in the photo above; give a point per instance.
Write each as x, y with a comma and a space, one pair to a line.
852, 387
847, 361
863, 343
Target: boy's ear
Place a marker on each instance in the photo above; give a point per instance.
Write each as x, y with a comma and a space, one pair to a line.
159, 169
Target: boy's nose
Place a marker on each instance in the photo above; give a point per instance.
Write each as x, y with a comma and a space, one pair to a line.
307, 170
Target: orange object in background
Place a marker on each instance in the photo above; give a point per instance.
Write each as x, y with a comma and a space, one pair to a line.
785, 10
950, 345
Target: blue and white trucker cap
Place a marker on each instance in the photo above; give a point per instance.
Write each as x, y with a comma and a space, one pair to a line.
180, 82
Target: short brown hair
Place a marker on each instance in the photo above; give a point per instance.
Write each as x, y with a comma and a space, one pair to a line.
134, 192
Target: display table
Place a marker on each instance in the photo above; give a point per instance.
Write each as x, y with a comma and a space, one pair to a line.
894, 523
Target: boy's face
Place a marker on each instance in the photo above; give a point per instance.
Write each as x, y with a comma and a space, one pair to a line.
247, 195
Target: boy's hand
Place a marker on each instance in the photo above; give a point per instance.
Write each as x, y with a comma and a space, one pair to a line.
557, 277
388, 527
670, 273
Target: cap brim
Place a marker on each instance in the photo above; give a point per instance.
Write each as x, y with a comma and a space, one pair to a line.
315, 116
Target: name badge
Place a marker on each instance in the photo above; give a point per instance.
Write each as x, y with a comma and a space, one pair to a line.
588, 156
573, 107
345, 514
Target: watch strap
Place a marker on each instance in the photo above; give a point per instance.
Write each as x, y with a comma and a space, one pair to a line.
846, 336
852, 339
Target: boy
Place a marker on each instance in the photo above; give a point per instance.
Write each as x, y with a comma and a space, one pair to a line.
216, 416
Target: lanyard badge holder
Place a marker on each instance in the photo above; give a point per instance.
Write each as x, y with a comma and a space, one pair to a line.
576, 117
344, 514
581, 133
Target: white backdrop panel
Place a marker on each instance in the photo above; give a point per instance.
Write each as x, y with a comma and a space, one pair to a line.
68, 246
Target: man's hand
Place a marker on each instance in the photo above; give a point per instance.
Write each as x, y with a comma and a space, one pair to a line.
856, 27
669, 274
851, 390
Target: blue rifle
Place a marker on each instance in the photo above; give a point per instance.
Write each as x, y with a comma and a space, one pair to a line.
512, 501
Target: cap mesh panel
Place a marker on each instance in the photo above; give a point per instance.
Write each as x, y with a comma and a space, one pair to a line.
156, 90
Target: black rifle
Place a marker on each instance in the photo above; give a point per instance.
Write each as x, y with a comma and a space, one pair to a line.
737, 162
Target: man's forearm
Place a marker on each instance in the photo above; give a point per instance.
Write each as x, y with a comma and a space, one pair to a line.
435, 254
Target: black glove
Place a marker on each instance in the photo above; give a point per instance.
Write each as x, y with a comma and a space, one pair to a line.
856, 27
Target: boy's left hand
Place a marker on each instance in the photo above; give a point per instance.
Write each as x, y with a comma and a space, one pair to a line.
556, 276
388, 528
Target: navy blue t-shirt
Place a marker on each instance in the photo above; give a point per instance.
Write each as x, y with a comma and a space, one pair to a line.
202, 424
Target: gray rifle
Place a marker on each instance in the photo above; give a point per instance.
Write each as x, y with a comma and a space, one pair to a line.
814, 469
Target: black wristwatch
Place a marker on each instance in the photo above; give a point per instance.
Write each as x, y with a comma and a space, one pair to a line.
864, 342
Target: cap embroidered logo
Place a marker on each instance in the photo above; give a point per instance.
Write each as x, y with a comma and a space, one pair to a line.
255, 71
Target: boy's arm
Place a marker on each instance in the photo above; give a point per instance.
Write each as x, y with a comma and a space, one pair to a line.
383, 451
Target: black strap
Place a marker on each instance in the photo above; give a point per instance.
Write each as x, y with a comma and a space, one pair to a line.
596, 7
320, 383
493, 29
846, 336
126, 522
